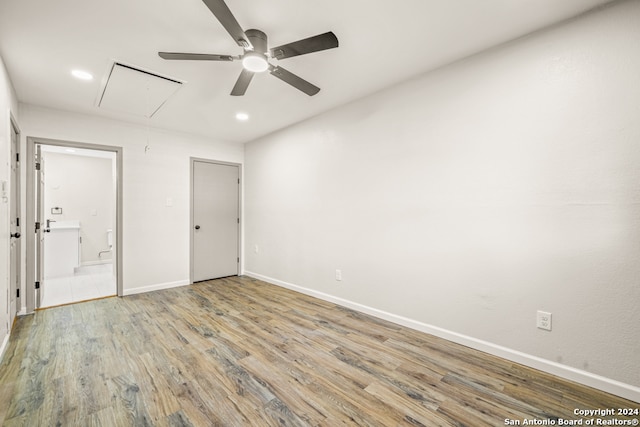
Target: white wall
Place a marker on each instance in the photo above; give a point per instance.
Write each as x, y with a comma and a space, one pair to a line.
156, 236
82, 186
463, 201
8, 104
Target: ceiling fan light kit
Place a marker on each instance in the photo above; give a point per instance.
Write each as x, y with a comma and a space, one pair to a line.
255, 62
255, 58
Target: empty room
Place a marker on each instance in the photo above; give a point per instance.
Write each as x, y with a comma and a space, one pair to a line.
287, 213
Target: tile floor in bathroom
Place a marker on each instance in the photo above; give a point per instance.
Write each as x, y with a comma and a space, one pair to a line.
88, 282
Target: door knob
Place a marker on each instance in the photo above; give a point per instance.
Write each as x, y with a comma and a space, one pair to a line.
197, 227
16, 235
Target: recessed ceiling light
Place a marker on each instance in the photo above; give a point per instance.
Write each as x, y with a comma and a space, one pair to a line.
243, 117
82, 75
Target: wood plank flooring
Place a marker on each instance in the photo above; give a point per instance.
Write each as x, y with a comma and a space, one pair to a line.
241, 352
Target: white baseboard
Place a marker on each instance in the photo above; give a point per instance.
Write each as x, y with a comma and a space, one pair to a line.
157, 287
583, 377
98, 262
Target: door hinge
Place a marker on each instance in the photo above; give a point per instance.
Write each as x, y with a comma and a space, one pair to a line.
238, 220
37, 166
17, 222
37, 226
238, 180
37, 285
17, 293
238, 260
17, 157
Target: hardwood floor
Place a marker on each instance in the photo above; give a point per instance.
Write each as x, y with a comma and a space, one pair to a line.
238, 352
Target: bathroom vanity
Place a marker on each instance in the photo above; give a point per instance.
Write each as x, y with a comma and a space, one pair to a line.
62, 248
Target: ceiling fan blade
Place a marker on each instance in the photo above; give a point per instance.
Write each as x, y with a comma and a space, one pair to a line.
304, 46
221, 11
293, 80
194, 56
243, 82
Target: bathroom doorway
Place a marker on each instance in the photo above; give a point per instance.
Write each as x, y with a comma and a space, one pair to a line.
76, 213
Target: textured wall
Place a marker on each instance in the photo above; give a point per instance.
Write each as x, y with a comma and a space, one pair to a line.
473, 196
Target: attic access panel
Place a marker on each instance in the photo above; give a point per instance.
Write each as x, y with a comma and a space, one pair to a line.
134, 91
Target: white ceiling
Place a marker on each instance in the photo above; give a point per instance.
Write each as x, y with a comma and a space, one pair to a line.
382, 42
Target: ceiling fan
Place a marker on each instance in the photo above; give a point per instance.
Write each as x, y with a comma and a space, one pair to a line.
255, 58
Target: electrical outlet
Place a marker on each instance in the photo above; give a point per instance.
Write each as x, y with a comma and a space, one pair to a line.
543, 320
338, 275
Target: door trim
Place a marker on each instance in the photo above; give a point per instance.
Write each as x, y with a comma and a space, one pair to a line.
192, 161
29, 224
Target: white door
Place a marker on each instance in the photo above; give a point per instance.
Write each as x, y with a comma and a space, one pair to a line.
215, 220
14, 298
41, 226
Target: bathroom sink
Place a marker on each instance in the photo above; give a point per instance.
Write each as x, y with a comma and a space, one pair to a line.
62, 225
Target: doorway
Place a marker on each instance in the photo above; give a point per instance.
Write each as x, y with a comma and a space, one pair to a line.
215, 219
74, 203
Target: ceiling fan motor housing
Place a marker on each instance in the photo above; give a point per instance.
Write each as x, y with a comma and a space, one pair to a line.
258, 40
